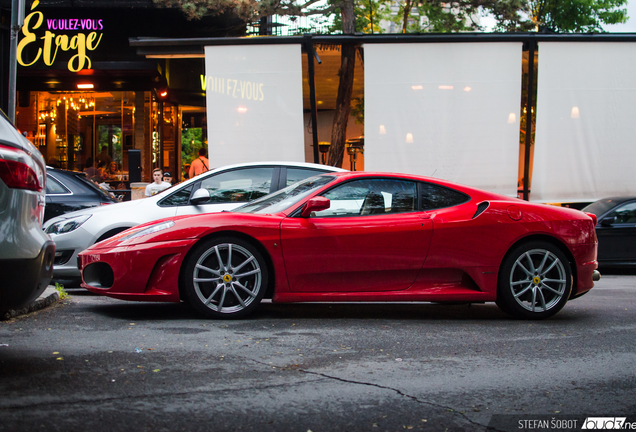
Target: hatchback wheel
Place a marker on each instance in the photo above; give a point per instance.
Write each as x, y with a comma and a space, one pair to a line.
225, 278
535, 281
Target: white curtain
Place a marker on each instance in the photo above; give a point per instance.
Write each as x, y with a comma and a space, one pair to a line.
585, 146
254, 103
445, 110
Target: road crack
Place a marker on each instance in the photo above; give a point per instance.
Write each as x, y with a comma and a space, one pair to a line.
398, 391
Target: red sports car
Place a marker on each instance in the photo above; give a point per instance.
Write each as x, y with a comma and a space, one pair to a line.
351, 236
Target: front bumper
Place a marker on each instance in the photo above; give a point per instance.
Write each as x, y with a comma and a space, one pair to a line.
68, 246
23, 280
144, 272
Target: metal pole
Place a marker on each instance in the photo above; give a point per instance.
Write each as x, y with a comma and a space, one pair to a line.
17, 19
530, 102
309, 47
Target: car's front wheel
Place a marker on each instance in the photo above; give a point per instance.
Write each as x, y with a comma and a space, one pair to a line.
535, 281
225, 278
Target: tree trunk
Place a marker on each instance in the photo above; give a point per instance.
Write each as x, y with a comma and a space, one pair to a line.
345, 88
407, 11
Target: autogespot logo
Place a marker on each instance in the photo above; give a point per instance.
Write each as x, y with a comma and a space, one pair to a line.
605, 423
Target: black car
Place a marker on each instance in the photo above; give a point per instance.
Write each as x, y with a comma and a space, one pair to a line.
616, 230
67, 191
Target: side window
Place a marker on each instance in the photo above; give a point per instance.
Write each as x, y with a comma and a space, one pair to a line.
434, 197
54, 187
371, 197
297, 174
179, 198
625, 213
241, 185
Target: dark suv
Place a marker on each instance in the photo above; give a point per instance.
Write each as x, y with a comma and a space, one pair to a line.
26, 252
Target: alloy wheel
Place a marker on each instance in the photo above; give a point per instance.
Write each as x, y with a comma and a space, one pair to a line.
538, 280
227, 278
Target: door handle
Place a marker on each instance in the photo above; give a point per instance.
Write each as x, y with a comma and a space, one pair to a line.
425, 216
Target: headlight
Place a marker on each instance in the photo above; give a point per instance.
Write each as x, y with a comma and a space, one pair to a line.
67, 225
148, 230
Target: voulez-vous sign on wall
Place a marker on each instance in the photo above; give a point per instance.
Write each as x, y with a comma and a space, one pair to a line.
79, 36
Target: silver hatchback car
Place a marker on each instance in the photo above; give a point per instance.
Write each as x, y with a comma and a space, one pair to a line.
216, 190
26, 252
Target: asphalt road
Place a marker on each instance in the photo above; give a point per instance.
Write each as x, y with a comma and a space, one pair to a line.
96, 364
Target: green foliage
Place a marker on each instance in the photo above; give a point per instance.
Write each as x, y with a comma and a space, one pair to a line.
511, 15
453, 16
109, 135
191, 142
578, 16
368, 15
61, 291
440, 17
357, 109
247, 10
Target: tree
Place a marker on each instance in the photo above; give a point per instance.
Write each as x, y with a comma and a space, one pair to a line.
513, 15
577, 15
252, 10
248, 10
368, 15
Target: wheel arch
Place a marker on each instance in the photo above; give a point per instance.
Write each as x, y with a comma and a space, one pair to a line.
271, 279
555, 242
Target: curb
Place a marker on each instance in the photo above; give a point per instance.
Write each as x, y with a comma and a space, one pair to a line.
47, 298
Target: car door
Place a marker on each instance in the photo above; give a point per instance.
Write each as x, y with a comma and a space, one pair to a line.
371, 239
228, 189
616, 234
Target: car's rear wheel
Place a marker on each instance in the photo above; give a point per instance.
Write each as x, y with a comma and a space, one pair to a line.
535, 281
225, 278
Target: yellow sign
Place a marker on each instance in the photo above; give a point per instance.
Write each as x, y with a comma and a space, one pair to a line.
235, 88
51, 42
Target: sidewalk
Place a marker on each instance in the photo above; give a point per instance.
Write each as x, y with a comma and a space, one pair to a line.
47, 298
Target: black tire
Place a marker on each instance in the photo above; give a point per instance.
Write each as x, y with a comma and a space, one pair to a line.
535, 281
225, 278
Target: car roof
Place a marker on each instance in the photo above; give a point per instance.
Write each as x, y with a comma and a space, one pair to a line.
78, 182
247, 165
276, 163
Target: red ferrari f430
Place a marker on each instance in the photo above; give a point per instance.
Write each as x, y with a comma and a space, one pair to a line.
360, 237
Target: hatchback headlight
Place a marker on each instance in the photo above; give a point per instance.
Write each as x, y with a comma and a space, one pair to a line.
67, 225
148, 230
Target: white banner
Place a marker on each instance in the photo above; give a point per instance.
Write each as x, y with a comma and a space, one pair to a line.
585, 145
445, 110
254, 101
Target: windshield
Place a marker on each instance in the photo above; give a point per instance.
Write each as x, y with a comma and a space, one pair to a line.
285, 198
600, 207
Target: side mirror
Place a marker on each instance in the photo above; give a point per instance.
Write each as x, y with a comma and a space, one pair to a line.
315, 204
608, 221
200, 196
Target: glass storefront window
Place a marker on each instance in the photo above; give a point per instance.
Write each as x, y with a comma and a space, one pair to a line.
70, 128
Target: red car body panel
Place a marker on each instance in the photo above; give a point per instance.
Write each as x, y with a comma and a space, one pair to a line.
445, 254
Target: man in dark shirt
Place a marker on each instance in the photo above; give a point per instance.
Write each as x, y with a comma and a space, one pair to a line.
104, 156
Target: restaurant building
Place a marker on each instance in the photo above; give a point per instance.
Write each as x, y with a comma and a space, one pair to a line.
81, 87
545, 116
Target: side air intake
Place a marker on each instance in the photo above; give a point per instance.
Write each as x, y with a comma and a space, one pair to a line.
481, 208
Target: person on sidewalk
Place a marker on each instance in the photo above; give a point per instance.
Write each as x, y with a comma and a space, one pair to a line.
200, 164
158, 185
167, 177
